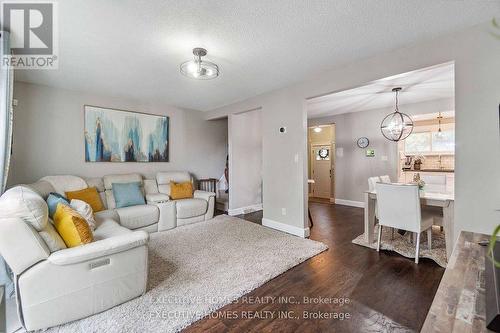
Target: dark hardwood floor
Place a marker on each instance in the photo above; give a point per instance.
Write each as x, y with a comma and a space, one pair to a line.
386, 292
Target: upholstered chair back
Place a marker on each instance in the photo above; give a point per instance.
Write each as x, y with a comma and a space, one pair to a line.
398, 206
164, 178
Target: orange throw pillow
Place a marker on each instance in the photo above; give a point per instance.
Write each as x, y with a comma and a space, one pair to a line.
89, 195
181, 190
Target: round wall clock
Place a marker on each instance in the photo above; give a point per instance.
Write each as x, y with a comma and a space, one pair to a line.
363, 142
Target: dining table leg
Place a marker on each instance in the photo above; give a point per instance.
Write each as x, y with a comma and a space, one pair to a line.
448, 216
369, 218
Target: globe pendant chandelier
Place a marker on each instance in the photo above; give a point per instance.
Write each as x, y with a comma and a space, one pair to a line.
396, 126
199, 69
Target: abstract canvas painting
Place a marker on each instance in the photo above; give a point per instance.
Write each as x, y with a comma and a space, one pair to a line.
125, 136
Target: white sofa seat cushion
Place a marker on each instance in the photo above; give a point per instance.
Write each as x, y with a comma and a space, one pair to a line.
187, 208
134, 217
103, 215
109, 228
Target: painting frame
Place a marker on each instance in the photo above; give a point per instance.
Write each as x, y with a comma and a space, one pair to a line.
119, 152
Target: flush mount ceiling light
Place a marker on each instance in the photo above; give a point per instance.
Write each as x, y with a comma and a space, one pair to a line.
317, 129
396, 126
200, 69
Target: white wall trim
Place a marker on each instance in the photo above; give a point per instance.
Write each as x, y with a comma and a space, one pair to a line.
352, 203
301, 232
244, 210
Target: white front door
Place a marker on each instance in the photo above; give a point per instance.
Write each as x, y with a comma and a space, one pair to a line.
321, 171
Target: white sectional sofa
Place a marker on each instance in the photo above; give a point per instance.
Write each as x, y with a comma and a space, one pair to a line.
72, 283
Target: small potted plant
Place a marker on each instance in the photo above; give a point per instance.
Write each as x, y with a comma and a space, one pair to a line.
419, 182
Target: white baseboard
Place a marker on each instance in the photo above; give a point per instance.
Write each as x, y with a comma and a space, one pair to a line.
244, 210
301, 232
352, 203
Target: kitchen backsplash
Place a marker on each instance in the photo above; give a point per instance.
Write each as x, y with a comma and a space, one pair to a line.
432, 162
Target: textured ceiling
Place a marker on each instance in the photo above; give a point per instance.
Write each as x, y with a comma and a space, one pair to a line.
133, 48
427, 84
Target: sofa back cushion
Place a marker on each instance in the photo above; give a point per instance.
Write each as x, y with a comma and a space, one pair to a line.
65, 183
24, 203
125, 178
164, 178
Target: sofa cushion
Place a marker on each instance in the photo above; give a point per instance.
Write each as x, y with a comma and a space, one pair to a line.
187, 208
65, 183
52, 200
134, 217
128, 194
126, 178
89, 195
181, 190
109, 228
72, 227
26, 204
108, 185
108, 214
164, 178
85, 210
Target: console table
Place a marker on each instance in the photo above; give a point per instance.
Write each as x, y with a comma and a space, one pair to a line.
459, 304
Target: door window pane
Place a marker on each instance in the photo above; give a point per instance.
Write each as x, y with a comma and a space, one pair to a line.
323, 154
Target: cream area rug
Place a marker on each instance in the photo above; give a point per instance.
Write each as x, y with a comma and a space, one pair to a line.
403, 245
196, 269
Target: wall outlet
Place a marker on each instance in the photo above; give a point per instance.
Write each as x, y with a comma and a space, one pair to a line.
15, 102
283, 211
384, 158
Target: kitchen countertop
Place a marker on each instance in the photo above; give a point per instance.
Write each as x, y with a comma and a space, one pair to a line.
432, 170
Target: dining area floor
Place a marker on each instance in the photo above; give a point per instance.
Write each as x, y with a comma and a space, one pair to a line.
386, 291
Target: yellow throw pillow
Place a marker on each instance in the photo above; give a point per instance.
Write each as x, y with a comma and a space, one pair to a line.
89, 195
181, 190
71, 226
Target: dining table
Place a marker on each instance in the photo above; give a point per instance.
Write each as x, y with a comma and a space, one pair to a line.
445, 201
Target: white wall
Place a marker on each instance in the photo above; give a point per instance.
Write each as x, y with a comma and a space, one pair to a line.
477, 85
48, 137
353, 168
245, 161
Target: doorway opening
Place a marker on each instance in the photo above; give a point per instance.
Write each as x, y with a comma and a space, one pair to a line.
321, 162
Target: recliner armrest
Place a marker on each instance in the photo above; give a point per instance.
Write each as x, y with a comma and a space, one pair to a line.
152, 198
203, 195
99, 248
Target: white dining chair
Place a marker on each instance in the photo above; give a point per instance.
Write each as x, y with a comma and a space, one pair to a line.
371, 183
399, 208
385, 179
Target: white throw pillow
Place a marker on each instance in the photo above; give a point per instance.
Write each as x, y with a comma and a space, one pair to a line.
85, 211
52, 239
26, 204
